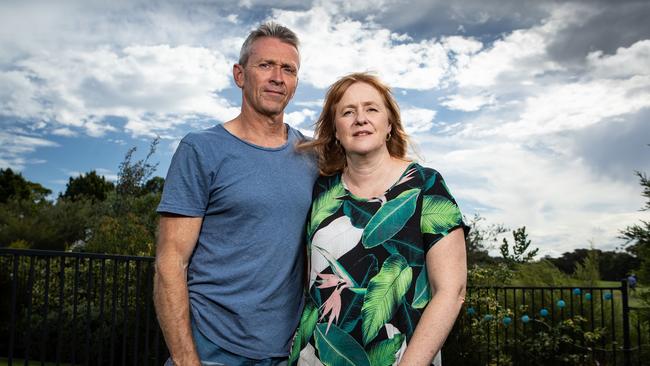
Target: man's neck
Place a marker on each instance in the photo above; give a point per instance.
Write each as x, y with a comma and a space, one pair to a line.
266, 131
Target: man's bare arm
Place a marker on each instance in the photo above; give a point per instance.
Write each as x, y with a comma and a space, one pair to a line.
176, 240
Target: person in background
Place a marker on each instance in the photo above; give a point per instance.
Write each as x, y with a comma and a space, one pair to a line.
385, 238
229, 258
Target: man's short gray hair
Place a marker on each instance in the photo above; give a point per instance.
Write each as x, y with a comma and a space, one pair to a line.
269, 29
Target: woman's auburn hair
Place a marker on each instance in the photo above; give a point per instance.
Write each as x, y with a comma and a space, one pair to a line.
331, 155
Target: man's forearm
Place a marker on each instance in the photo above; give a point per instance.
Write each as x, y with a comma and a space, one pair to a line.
172, 307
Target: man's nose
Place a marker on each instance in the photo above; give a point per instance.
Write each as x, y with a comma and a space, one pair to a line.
276, 75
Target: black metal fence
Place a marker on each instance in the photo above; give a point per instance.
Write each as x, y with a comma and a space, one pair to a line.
92, 309
77, 308
549, 326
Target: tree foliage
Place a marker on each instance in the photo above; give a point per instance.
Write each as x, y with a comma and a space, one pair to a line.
15, 186
638, 235
521, 244
480, 239
87, 186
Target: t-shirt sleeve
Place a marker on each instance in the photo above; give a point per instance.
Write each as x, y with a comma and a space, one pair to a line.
440, 214
187, 186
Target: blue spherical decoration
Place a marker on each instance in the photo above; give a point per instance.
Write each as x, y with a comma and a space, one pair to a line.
577, 291
543, 312
608, 296
471, 311
587, 296
526, 318
560, 304
488, 317
507, 320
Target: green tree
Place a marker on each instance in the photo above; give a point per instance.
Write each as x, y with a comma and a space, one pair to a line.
13, 185
519, 248
154, 185
129, 221
589, 270
638, 236
90, 186
480, 239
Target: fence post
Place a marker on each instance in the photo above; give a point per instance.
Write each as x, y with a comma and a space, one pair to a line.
626, 324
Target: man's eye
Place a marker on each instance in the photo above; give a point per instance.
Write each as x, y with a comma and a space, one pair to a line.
264, 66
289, 70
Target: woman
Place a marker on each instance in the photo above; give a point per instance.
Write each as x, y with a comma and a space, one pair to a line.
385, 240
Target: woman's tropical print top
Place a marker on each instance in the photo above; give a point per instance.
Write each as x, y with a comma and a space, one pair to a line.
368, 279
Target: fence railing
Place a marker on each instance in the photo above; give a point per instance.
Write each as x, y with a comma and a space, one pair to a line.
78, 308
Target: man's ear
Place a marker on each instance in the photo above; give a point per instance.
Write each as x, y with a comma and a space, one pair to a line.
238, 74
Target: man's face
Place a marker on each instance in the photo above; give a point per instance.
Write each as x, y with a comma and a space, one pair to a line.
270, 76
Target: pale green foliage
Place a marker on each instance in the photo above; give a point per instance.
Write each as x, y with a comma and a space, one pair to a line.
588, 272
520, 247
542, 273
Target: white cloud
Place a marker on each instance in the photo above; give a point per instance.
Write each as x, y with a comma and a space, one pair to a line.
295, 119
15, 146
417, 120
467, 103
153, 87
558, 198
334, 45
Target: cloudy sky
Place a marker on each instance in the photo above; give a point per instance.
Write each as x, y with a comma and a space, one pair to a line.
536, 112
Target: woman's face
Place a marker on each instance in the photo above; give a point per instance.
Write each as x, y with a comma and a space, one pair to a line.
361, 120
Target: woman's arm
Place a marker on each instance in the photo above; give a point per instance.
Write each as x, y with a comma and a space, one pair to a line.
447, 271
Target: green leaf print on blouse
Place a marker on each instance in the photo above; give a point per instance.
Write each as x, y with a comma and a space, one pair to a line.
324, 206
385, 292
413, 253
422, 290
359, 215
383, 354
337, 348
305, 329
352, 314
438, 214
390, 218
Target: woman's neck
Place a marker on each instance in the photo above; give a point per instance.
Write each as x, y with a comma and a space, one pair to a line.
371, 176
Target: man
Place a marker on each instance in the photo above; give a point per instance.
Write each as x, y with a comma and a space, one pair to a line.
229, 259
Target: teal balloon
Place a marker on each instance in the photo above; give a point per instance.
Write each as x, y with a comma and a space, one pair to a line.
525, 319
587, 296
608, 296
543, 312
507, 320
560, 304
471, 311
577, 291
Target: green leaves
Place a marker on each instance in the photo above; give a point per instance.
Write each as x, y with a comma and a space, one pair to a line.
351, 315
422, 290
325, 205
390, 218
383, 354
337, 348
359, 215
438, 214
305, 330
385, 291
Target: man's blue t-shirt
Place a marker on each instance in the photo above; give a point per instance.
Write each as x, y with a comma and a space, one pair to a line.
245, 275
